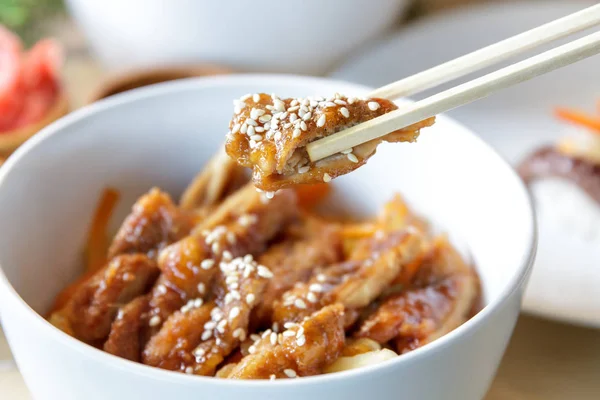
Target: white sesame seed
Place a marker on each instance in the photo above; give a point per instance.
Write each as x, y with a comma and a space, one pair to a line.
255, 337
252, 349
307, 116
296, 133
277, 135
250, 297
264, 272
321, 278
231, 238
326, 177
270, 195
251, 132
300, 331
290, 373
235, 295
276, 326
301, 340
259, 129
266, 333
235, 311
221, 326
199, 352
352, 157
329, 104
216, 314
273, 338
289, 325
251, 122
244, 128
344, 111
351, 100
316, 287
256, 97
289, 333
303, 126
293, 117
256, 138
162, 289
340, 102
347, 151
321, 121
245, 97
206, 335
236, 128
154, 321
255, 113
234, 285
279, 105
303, 170
210, 325
272, 377
198, 303
239, 333
299, 303
311, 297
373, 105
265, 118
293, 109
228, 299
189, 370
207, 264
215, 247
248, 257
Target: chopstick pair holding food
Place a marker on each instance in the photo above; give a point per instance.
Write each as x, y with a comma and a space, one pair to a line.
315, 139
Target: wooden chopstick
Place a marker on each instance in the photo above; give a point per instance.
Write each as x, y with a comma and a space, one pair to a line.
491, 55
459, 95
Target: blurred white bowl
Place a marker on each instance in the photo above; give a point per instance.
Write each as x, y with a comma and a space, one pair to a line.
306, 36
49, 187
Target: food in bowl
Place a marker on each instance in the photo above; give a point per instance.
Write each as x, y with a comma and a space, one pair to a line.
566, 175
240, 284
456, 199
270, 134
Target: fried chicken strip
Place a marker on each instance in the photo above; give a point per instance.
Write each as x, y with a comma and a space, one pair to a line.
418, 316
92, 308
304, 349
269, 135
353, 283
179, 347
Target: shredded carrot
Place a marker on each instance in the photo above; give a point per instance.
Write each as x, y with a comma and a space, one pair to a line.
310, 196
579, 118
98, 242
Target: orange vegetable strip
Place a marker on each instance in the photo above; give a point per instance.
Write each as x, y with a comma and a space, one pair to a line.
98, 242
579, 118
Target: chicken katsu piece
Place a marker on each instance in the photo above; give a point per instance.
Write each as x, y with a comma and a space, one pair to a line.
125, 338
155, 222
187, 266
303, 349
220, 178
310, 246
269, 135
418, 316
90, 311
198, 341
353, 283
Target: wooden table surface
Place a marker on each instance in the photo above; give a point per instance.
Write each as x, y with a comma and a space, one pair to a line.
545, 360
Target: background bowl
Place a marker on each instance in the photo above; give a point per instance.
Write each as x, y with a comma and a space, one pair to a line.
261, 35
162, 136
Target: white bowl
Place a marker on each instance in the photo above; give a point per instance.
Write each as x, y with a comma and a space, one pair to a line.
306, 36
162, 136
